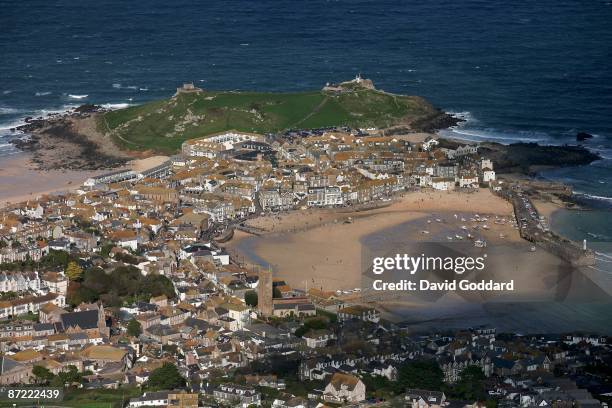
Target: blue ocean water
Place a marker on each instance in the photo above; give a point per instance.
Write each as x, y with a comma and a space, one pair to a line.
535, 71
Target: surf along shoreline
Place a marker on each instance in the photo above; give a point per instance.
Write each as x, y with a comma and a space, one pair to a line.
320, 226
72, 141
63, 145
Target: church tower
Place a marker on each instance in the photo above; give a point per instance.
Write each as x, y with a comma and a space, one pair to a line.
265, 292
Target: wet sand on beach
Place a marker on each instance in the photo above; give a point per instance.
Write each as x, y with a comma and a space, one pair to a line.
20, 181
410, 205
317, 247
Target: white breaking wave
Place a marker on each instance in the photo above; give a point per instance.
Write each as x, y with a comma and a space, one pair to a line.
466, 116
603, 260
113, 106
10, 152
54, 111
463, 131
11, 125
483, 135
8, 111
35, 114
77, 96
117, 85
43, 93
7, 149
604, 152
594, 197
604, 255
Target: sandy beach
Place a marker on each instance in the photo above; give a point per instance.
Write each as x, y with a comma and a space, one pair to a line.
316, 248
20, 180
410, 205
319, 247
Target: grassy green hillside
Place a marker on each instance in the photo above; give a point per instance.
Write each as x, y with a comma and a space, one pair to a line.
163, 125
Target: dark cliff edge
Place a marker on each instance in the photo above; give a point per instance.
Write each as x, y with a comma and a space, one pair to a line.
529, 158
71, 141
437, 121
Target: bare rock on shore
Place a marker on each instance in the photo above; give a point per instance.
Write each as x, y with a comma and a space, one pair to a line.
527, 158
70, 142
88, 108
437, 121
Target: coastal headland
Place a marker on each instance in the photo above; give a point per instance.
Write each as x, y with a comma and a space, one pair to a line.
92, 137
353, 166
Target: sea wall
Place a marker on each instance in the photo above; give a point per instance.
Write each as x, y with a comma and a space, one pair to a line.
557, 245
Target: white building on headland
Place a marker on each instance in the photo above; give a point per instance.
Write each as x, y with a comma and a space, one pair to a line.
188, 87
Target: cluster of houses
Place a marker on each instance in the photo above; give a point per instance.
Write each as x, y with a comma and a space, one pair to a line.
228, 177
164, 221
255, 172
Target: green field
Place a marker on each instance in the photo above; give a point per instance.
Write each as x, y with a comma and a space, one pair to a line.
163, 125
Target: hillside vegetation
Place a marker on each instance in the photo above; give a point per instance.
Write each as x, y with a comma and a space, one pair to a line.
163, 125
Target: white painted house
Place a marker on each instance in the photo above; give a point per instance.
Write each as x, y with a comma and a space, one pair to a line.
317, 338
430, 143
468, 181
442, 183
488, 175
344, 388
